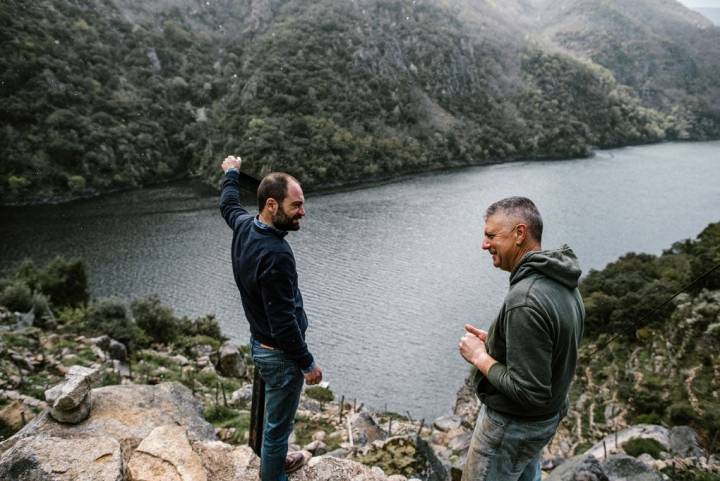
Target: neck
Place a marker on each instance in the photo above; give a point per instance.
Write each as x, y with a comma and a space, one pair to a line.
266, 218
524, 249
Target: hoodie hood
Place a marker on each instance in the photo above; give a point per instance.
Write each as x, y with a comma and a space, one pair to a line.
560, 264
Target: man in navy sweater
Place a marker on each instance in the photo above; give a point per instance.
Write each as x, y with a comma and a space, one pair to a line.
264, 269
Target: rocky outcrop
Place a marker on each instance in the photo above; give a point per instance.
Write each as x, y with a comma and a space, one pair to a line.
579, 468
71, 399
621, 467
230, 361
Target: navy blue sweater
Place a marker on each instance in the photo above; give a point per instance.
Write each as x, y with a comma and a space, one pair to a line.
264, 269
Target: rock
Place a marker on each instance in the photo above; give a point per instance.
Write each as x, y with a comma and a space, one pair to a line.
103, 342
460, 442
647, 460
642, 431
684, 442
621, 467
74, 415
446, 423
231, 362
242, 395
128, 413
92, 458
364, 429
467, 404
319, 436
15, 415
335, 469
223, 462
117, 351
316, 447
396, 477
338, 453
166, 455
71, 393
71, 400
579, 468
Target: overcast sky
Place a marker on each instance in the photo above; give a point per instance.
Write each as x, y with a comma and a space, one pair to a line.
700, 3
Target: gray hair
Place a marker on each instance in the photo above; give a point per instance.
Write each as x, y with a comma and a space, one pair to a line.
521, 208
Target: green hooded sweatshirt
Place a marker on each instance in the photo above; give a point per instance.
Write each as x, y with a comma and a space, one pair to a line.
535, 338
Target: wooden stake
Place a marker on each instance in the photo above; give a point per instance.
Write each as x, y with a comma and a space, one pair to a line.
342, 406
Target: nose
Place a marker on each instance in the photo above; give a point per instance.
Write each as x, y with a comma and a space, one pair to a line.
485, 245
301, 211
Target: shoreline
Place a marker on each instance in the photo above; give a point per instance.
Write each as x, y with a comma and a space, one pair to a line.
323, 188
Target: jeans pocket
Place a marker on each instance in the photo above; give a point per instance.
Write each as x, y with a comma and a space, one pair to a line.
272, 372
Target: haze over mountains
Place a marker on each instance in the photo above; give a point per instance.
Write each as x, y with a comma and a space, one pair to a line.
101, 94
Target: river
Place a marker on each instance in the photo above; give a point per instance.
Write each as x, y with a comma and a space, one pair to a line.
389, 273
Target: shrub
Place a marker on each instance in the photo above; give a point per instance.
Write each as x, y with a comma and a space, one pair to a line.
76, 183
110, 317
65, 282
320, 393
202, 326
155, 319
637, 446
681, 414
17, 296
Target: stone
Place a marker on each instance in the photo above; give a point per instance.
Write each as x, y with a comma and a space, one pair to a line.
621, 467
446, 423
15, 415
684, 442
642, 431
316, 447
92, 458
242, 396
71, 393
396, 477
223, 462
327, 468
231, 362
128, 413
319, 436
338, 453
460, 442
73, 415
166, 455
117, 351
579, 468
364, 429
103, 342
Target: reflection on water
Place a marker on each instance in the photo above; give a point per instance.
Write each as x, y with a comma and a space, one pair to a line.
389, 273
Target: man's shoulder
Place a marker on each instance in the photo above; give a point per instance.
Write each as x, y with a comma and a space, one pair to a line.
530, 291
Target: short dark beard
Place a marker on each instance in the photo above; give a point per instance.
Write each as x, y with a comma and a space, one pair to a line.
282, 221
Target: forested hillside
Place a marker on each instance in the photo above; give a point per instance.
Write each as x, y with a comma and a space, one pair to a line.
104, 94
662, 364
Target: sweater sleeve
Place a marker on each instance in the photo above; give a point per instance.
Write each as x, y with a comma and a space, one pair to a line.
230, 199
526, 376
278, 298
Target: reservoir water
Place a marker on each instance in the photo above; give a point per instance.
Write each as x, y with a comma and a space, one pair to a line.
389, 273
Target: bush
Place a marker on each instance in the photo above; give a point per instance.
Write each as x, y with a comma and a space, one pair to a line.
681, 414
319, 393
17, 296
637, 446
110, 317
65, 282
202, 326
155, 319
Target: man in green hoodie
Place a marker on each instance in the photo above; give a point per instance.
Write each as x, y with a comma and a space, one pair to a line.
526, 361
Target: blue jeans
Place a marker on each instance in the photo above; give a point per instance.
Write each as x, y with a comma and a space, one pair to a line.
507, 449
283, 383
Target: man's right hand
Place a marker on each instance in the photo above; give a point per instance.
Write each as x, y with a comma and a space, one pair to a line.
231, 162
313, 377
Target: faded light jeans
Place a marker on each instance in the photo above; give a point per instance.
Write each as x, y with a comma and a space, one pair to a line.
283, 383
507, 449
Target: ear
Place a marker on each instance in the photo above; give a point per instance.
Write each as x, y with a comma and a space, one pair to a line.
271, 205
521, 234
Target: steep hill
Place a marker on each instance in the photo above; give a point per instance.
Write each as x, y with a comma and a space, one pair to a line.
104, 94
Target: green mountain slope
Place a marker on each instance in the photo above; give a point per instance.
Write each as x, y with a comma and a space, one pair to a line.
104, 94
663, 366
